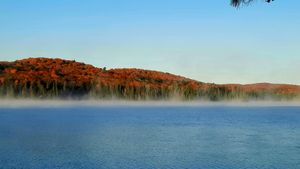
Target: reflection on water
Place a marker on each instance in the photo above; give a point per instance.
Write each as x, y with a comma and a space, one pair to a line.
145, 137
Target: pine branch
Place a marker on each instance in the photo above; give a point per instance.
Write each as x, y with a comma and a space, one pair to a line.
237, 3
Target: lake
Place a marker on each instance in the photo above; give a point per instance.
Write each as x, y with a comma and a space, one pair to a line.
147, 137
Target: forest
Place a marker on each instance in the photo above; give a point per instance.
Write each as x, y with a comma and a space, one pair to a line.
45, 78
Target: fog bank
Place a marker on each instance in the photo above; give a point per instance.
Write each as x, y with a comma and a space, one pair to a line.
23, 103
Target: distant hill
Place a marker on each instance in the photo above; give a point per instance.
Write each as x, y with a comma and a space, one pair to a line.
58, 78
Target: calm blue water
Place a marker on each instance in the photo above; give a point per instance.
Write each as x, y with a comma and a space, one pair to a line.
150, 138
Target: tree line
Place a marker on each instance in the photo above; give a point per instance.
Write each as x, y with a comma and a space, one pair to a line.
97, 89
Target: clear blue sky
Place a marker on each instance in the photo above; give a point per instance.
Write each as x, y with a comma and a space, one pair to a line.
205, 40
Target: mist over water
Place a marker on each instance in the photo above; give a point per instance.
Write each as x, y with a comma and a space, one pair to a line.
21, 103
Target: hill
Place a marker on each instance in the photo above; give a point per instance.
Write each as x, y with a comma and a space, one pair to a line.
58, 78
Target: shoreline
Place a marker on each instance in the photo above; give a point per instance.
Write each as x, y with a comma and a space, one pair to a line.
35, 103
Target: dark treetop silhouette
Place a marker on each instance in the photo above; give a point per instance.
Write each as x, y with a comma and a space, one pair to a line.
237, 3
